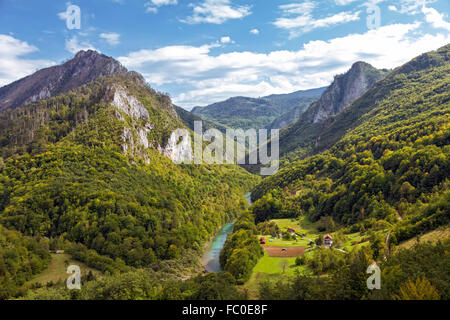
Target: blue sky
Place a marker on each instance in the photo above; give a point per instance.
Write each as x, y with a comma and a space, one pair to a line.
203, 51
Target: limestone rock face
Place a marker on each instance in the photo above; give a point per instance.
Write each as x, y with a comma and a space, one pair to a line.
135, 135
128, 104
179, 151
345, 89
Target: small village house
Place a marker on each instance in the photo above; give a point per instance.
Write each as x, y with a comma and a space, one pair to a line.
291, 231
262, 240
327, 241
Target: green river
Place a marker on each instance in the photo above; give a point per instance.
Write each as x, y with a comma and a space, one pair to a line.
210, 258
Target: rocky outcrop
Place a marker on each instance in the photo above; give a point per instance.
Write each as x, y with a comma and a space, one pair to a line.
128, 104
298, 140
85, 67
176, 150
345, 89
135, 135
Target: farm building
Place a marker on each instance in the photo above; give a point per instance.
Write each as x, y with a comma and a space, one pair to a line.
262, 240
291, 231
327, 241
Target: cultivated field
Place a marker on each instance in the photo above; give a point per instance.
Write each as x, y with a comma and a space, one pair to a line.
273, 251
432, 236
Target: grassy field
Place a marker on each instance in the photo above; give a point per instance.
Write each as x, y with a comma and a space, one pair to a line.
270, 269
271, 241
301, 226
57, 268
432, 236
273, 265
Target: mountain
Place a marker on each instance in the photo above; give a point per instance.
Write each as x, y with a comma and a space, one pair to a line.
258, 113
301, 136
345, 89
381, 163
85, 67
119, 108
91, 171
301, 102
189, 118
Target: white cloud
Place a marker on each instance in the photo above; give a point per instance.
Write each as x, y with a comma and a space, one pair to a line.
254, 31
225, 40
412, 7
435, 18
297, 18
74, 46
151, 10
112, 38
203, 78
153, 5
12, 65
216, 12
392, 8
344, 2
160, 3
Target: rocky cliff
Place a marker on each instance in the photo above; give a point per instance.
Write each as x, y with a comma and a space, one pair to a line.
345, 89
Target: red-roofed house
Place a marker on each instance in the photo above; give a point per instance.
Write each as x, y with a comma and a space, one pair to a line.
291, 231
327, 241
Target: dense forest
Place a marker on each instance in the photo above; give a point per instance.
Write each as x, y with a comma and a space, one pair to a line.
20, 259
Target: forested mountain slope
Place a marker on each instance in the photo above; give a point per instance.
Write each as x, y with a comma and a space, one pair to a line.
189, 118
395, 160
20, 259
120, 109
257, 113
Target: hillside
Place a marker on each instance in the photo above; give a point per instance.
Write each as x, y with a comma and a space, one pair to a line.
85, 67
188, 118
21, 258
392, 160
245, 113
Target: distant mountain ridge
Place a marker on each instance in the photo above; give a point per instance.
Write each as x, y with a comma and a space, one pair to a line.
246, 113
85, 67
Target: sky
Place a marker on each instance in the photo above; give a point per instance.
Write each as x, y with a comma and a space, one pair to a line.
204, 51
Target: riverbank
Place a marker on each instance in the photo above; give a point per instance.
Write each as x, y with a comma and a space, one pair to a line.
211, 258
